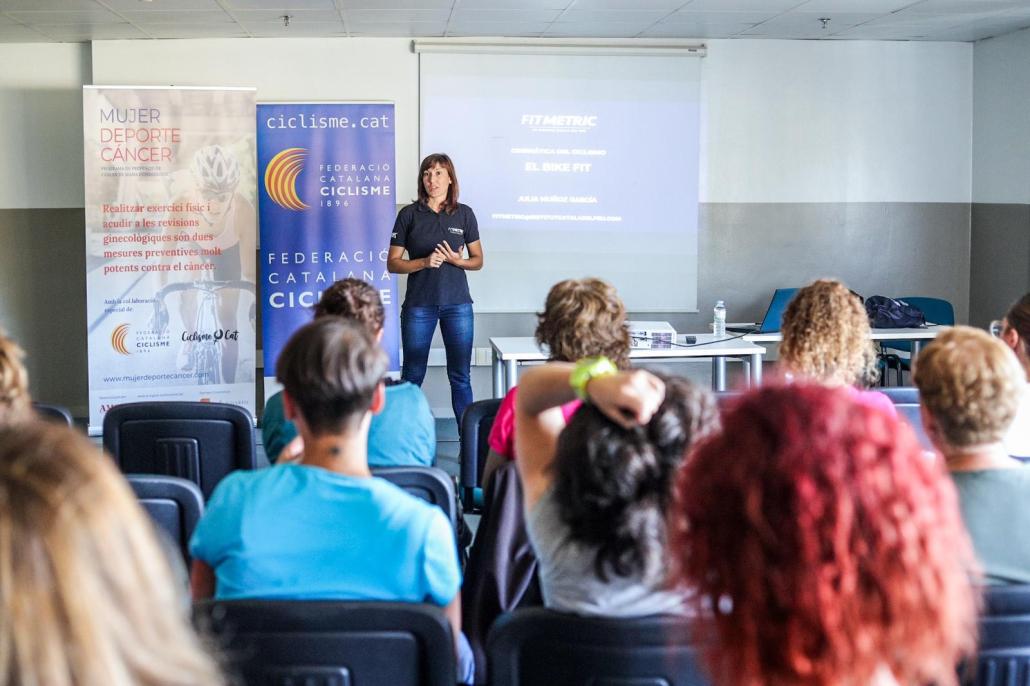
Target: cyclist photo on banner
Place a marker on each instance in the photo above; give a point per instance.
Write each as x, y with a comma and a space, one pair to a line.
209, 294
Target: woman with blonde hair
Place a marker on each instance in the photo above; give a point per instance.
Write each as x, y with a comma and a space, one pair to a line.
969, 391
15, 403
581, 318
826, 340
88, 596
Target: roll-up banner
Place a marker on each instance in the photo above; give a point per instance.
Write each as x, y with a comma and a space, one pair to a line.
327, 203
171, 181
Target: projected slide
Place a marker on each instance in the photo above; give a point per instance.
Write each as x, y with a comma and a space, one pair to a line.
589, 167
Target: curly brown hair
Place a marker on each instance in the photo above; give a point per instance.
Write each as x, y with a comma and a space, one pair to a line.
353, 299
584, 318
15, 402
970, 383
824, 546
826, 335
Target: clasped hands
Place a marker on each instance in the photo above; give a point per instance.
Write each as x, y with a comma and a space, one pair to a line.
443, 253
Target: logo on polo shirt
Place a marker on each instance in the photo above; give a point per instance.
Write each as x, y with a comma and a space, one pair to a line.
281, 178
455, 230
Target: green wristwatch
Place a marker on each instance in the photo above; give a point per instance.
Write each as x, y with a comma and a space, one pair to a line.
590, 368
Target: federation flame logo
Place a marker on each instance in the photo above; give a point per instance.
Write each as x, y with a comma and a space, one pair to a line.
281, 178
118, 337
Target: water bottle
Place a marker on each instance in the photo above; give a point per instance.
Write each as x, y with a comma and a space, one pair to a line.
719, 323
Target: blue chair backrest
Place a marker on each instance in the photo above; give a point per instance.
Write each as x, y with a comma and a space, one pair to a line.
910, 413
908, 395
1003, 658
538, 646
201, 442
344, 643
174, 505
428, 483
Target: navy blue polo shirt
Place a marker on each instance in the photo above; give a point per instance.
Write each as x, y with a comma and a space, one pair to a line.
419, 229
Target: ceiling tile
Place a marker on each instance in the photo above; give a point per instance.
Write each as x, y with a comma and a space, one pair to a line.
745, 5
643, 5
493, 28
516, 4
269, 30
276, 16
583, 30
397, 4
474, 15
165, 17
425, 29
965, 6
684, 30
687, 16
16, 33
398, 17
95, 15
233, 5
125, 6
613, 16
851, 6
194, 30
60, 5
77, 32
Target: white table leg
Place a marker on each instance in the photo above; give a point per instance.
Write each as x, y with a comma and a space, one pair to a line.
511, 375
719, 373
498, 374
756, 370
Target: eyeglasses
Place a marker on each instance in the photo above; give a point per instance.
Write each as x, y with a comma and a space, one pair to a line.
996, 328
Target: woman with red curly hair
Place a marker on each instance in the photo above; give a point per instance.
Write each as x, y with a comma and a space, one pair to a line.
826, 549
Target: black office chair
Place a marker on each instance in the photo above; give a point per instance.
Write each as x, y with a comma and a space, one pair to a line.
201, 442
476, 422
428, 483
906, 395
53, 413
538, 646
332, 643
175, 505
1003, 657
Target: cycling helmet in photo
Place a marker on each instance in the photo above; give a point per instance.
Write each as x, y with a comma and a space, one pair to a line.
216, 169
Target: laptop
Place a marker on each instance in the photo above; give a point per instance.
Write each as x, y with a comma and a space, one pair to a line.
773, 315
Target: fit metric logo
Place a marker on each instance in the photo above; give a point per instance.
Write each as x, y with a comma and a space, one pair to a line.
281, 178
118, 337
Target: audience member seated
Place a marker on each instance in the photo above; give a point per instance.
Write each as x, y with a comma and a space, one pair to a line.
324, 528
15, 402
970, 386
826, 340
88, 596
581, 318
823, 547
1016, 334
403, 434
596, 493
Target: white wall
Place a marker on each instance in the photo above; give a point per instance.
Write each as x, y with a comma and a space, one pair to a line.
784, 121
836, 121
1001, 120
298, 69
41, 124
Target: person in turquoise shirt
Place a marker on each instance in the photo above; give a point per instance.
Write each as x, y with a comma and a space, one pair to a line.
970, 385
324, 527
403, 434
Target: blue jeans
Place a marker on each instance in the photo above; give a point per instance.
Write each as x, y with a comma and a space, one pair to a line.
418, 324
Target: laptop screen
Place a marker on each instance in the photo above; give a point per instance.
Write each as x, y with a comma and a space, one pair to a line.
774, 315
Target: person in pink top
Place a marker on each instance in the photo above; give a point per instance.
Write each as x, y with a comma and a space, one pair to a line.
826, 340
581, 318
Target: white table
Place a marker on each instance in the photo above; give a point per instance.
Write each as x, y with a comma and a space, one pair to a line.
508, 353
916, 336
